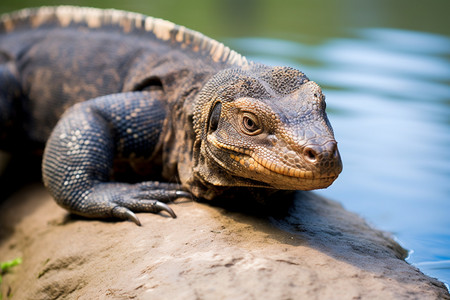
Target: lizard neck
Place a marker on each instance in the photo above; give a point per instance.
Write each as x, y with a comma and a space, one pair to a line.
179, 149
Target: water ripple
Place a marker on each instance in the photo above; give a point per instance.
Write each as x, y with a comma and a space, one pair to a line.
388, 98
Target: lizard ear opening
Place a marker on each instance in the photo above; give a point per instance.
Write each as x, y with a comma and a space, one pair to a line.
215, 117
150, 84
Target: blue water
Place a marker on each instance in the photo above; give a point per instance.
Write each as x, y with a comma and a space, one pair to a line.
388, 99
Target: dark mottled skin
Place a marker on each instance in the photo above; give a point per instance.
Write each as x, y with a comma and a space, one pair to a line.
119, 97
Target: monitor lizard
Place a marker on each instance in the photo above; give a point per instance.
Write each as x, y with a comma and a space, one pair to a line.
135, 111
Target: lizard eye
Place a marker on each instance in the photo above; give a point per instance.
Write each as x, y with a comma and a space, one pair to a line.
250, 124
215, 117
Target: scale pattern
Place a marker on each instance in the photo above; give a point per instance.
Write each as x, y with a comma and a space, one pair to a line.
136, 111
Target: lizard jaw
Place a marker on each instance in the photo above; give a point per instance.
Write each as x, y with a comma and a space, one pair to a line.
254, 163
276, 174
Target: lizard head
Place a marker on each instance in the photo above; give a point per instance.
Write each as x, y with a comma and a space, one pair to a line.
264, 127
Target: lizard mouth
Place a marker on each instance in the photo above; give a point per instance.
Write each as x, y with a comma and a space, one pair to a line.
254, 163
263, 166
251, 161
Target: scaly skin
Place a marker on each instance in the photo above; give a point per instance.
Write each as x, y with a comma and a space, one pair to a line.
270, 127
117, 95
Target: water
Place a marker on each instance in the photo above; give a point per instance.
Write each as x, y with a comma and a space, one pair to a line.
385, 69
388, 100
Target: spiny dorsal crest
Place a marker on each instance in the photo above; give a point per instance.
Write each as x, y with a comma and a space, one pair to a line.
128, 21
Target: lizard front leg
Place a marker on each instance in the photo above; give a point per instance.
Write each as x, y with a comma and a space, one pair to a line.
79, 155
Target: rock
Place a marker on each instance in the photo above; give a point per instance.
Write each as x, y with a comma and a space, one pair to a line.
315, 250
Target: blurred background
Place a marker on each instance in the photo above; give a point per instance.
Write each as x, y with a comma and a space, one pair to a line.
385, 68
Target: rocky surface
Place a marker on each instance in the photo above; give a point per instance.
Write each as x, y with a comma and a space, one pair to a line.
313, 250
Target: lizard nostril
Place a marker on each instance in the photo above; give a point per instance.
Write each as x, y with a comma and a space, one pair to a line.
310, 154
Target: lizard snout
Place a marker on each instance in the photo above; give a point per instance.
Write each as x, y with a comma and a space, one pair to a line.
325, 157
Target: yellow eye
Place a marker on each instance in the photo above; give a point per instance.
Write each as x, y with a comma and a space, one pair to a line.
250, 124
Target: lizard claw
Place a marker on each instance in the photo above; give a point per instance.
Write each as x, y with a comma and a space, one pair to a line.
164, 207
154, 206
125, 214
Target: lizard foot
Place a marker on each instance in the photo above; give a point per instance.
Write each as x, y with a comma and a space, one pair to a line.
154, 206
122, 201
148, 197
